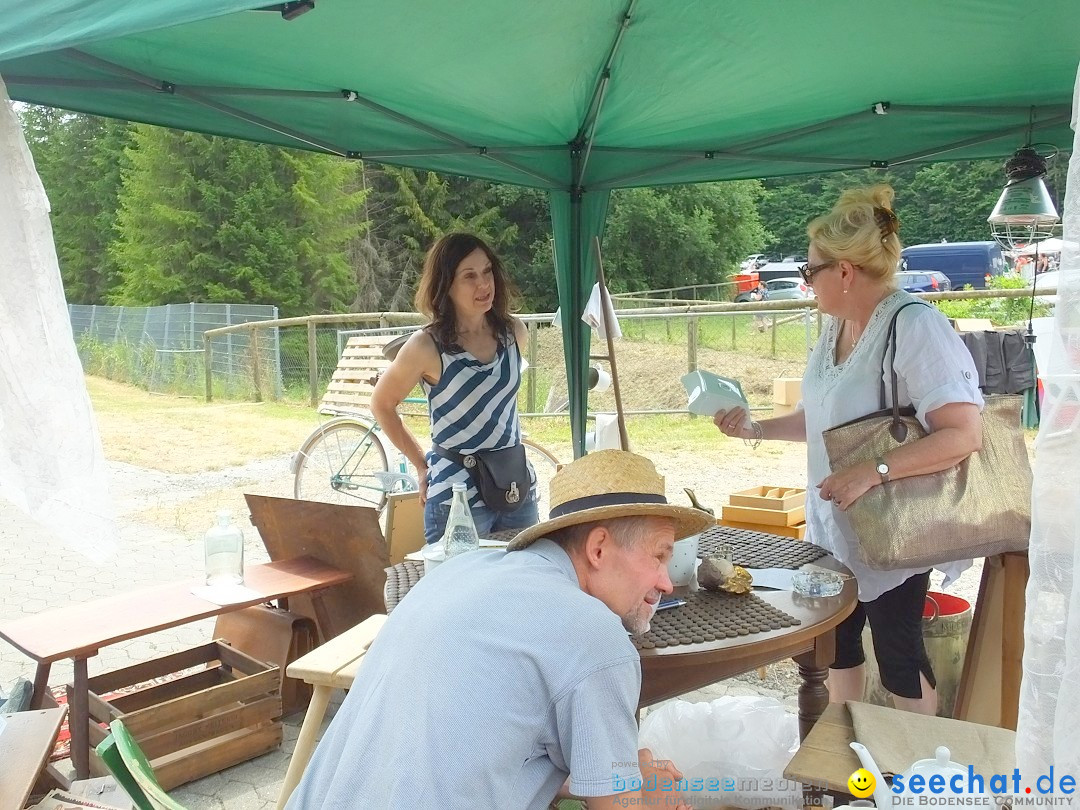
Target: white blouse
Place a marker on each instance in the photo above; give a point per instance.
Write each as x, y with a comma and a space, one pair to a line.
934, 368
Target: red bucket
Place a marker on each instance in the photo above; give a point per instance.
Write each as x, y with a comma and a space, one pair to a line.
943, 604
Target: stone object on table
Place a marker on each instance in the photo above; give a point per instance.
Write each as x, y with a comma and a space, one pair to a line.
719, 574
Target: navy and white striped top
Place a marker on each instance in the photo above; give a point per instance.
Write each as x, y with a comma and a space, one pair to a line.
472, 407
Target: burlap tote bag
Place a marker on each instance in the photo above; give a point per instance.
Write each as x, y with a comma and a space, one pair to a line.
978, 508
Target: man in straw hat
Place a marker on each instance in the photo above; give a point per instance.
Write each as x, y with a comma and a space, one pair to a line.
501, 675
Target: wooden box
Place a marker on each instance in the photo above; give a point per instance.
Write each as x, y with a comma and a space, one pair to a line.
195, 713
779, 499
796, 532
765, 517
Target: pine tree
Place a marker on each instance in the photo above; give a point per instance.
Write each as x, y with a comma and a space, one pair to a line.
213, 219
78, 158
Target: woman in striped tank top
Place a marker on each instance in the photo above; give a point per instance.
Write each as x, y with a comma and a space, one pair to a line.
468, 361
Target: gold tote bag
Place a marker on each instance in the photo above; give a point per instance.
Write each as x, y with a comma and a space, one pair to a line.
978, 508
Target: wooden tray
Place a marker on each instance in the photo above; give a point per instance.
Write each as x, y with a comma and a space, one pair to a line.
798, 532
765, 497
765, 517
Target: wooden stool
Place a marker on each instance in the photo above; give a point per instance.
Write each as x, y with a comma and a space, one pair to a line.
329, 667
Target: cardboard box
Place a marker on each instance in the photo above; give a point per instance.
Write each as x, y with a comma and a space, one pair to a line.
787, 391
766, 497
797, 532
222, 708
972, 324
766, 517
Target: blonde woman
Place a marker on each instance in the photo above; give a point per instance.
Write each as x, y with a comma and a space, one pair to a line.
852, 261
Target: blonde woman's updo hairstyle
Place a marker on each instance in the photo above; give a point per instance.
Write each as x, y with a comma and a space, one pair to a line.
862, 229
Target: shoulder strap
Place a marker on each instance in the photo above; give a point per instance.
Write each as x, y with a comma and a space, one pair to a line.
898, 429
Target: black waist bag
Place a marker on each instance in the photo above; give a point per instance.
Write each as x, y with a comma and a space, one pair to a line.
501, 476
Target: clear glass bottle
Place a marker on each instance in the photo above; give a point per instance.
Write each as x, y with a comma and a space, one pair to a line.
224, 548
460, 535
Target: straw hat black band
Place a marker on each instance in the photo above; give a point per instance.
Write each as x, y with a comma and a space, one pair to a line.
605, 499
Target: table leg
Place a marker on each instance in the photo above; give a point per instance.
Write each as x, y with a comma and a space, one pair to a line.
79, 721
322, 616
305, 742
41, 686
813, 669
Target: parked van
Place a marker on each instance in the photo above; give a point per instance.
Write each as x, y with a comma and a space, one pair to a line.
963, 262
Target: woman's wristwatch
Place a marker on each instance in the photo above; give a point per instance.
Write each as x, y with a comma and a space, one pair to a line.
882, 469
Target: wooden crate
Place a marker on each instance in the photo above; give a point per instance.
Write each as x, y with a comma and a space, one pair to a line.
766, 517
766, 497
223, 709
796, 532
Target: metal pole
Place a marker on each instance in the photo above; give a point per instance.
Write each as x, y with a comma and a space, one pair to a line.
774, 335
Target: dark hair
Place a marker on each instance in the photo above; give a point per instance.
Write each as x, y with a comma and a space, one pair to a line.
433, 291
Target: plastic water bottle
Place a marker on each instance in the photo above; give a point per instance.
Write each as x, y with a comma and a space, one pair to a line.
460, 535
224, 547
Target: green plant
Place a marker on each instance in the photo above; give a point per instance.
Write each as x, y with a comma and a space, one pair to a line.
1000, 311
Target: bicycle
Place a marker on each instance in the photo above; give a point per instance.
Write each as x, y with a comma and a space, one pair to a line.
346, 460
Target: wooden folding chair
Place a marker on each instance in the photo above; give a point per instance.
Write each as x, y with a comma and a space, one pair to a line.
127, 763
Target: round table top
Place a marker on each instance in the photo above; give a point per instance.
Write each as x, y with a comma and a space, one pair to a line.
734, 624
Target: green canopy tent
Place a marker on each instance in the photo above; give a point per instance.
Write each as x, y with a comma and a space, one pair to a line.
574, 97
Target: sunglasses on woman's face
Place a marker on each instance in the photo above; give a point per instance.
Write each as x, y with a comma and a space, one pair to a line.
808, 271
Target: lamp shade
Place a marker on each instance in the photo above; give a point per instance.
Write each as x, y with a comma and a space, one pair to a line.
1025, 202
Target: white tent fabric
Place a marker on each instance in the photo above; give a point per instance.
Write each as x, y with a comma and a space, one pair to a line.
1051, 245
51, 462
1047, 731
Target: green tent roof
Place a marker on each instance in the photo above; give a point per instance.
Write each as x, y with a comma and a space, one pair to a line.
574, 96
500, 89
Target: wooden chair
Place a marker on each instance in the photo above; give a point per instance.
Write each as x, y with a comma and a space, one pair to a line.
404, 525
127, 763
331, 666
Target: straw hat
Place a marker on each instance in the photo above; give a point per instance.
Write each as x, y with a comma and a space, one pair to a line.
610, 484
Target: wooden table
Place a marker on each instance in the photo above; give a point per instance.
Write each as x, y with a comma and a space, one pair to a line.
79, 631
671, 671
26, 741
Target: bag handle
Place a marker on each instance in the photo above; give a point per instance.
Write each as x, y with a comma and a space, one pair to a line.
898, 430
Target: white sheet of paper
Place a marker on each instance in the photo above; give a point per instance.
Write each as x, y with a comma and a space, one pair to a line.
778, 578
225, 594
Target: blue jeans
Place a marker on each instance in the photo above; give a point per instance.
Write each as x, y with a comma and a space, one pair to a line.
486, 520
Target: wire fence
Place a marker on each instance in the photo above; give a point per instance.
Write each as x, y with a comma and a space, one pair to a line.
161, 348
257, 358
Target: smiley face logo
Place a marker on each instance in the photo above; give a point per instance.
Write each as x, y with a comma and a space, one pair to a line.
861, 783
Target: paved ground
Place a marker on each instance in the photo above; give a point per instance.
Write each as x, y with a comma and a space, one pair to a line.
158, 513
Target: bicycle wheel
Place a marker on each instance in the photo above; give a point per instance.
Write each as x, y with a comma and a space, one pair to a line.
544, 463
343, 462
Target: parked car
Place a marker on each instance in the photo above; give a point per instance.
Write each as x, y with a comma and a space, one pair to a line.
788, 289
963, 262
752, 262
794, 259
926, 281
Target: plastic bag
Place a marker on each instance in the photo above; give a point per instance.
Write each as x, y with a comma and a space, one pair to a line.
732, 750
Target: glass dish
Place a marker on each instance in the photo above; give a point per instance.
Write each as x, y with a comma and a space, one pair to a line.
817, 583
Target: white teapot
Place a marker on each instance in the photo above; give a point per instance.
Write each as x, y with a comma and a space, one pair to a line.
893, 798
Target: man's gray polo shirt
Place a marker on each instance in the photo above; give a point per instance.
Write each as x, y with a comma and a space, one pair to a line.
494, 678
